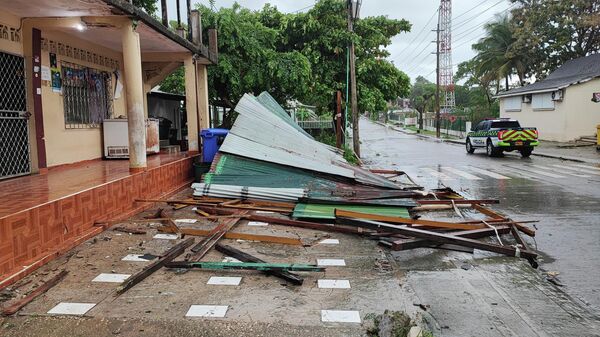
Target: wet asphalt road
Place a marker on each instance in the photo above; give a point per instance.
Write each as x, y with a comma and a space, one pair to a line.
563, 195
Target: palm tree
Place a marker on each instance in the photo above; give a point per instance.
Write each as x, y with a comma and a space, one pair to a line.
495, 55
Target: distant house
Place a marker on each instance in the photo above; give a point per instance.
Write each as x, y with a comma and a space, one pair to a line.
561, 105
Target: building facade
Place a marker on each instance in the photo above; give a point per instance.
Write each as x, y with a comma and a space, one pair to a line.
66, 66
560, 106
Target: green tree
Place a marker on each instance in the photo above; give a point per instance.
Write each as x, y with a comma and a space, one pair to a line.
422, 96
555, 31
300, 56
147, 5
496, 55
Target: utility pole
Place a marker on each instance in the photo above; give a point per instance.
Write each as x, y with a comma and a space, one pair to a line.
353, 10
437, 82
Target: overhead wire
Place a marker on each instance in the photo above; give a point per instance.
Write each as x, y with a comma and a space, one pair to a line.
417, 36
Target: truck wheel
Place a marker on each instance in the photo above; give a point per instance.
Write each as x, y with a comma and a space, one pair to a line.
491, 150
470, 148
526, 152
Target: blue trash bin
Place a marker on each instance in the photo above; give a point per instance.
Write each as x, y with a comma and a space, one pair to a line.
211, 141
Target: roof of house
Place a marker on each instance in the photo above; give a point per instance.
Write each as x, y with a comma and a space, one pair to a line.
572, 72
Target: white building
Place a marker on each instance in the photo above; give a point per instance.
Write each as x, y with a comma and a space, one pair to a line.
561, 105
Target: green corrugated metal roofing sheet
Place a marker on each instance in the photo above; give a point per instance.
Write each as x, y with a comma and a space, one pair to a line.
327, 211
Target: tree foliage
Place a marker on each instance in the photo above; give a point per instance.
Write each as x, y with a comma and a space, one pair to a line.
554, 32
301, 55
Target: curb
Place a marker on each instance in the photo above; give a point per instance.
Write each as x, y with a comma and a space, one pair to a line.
461, 142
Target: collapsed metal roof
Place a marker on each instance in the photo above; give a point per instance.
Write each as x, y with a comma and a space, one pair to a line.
264, 131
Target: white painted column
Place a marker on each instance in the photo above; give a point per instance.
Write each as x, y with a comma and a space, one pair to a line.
191, 105
134, 86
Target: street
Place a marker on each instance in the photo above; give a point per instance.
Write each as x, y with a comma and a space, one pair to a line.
499, 293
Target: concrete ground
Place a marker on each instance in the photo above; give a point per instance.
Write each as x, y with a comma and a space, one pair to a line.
456, 294
499, 296
259, 305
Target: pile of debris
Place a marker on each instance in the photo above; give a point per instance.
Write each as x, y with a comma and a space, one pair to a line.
270, 171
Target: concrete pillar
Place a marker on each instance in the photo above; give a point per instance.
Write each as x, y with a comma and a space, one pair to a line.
134, 86
196, 32
191, 105
203, 109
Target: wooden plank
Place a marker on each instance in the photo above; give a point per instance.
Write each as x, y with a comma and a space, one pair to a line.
239, 206
488, 212
129, 230
472, 234
294, 223
245, 257
407, 221
443, 238
168, 256
260, 266
13, 308
205, 245
457, 202
237, 236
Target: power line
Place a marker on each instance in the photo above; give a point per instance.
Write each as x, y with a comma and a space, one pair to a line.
307, 7
466, 32
468, 20
417, 36
462, 14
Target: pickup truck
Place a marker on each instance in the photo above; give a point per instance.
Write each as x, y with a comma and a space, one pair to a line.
499, 135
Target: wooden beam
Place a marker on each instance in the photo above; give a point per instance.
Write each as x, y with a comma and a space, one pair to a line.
13, 308
457, 202
245, 257
245, 266
237, 236
471, 234
216, 234
168, 256
406, 221
444, 238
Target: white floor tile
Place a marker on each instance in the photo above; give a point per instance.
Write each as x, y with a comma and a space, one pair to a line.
224, 281
330, 242
66, 308
341, 316
166, 236
334, 284
257, 223
135, 258
331, 262
112, 278
207, 311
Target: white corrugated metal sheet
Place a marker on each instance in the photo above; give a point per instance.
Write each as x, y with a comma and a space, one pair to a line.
260, 134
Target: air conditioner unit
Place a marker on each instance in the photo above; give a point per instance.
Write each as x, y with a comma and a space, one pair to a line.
526, 98
116, 139
557, 95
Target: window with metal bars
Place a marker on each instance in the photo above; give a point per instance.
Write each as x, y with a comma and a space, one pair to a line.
87, 96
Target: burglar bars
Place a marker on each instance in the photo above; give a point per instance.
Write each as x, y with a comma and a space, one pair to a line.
87, 96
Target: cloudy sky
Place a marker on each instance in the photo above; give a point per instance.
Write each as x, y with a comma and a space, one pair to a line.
410, 52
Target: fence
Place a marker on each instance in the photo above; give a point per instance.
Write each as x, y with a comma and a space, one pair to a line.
458, 126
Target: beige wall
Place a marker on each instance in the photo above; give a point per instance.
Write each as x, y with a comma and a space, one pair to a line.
60, 145
573, 117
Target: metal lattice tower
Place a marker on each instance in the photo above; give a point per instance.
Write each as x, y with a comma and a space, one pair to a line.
447, 101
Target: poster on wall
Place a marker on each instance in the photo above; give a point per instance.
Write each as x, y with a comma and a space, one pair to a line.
55, 74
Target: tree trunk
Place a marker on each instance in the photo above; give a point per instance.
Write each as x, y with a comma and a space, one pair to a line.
506, 82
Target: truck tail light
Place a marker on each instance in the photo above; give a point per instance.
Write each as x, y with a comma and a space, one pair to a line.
536, 133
